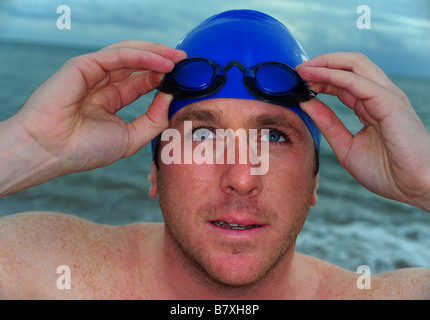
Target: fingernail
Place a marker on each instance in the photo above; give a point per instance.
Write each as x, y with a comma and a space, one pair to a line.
299, 66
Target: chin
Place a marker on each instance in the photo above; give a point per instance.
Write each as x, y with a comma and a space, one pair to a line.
239, 270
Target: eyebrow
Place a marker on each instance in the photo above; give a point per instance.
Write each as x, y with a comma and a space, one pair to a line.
256, 122
197, 115
266, 120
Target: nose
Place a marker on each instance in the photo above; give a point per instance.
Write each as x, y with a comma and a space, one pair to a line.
238, 180
237, 177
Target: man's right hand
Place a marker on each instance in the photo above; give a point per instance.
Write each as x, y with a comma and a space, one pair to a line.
72, 116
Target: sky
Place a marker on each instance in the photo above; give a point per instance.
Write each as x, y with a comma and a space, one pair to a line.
398, 39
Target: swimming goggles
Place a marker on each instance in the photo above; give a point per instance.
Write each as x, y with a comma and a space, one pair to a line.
272, 82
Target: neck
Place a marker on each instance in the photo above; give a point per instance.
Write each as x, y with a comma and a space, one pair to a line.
184, 279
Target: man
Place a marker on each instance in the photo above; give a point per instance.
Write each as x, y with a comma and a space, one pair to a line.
227, 233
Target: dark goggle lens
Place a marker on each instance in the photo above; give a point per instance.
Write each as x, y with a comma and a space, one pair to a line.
275, 78
194, 75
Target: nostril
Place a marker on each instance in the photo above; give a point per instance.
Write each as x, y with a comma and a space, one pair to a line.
230, 189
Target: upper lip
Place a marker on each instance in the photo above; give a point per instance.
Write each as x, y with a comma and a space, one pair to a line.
239, 219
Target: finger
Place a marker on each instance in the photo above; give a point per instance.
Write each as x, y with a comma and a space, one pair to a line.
167, 52
137, 85
130, 58
122, 74
149, 125
158, 48
354, 62
344, 96
348, 87
336, 134
329, 81
351, 89
95, 66
359, 64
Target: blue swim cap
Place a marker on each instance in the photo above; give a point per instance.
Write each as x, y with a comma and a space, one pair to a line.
250, 37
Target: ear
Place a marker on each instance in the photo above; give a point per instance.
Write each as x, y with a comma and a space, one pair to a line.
152, 178
314, 195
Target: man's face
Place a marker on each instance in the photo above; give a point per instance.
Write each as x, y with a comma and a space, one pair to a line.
202, 204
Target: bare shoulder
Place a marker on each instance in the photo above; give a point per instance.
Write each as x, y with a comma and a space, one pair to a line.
401, 284
39, 231
333, 282
34, 245
408, 283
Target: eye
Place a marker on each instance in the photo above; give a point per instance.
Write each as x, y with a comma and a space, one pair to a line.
203, 133
274, 136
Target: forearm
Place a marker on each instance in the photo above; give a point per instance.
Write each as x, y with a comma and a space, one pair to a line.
23, 162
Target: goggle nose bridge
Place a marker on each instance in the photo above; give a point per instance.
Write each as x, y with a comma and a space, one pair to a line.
234, 63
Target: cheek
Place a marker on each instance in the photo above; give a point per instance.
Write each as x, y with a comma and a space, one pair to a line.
186, 184
290, 179
182, 190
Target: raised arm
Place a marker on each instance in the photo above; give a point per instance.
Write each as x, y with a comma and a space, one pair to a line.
69, 124
391, 154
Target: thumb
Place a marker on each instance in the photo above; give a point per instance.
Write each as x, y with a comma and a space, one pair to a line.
149, 125
331, 127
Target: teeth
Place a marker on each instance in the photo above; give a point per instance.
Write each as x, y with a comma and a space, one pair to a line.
234, 226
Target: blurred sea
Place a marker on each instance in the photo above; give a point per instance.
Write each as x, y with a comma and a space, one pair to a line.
349, 227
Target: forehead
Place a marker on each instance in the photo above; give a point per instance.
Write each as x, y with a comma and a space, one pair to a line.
239, 113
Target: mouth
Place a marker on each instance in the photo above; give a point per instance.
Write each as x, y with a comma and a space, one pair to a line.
235, 226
